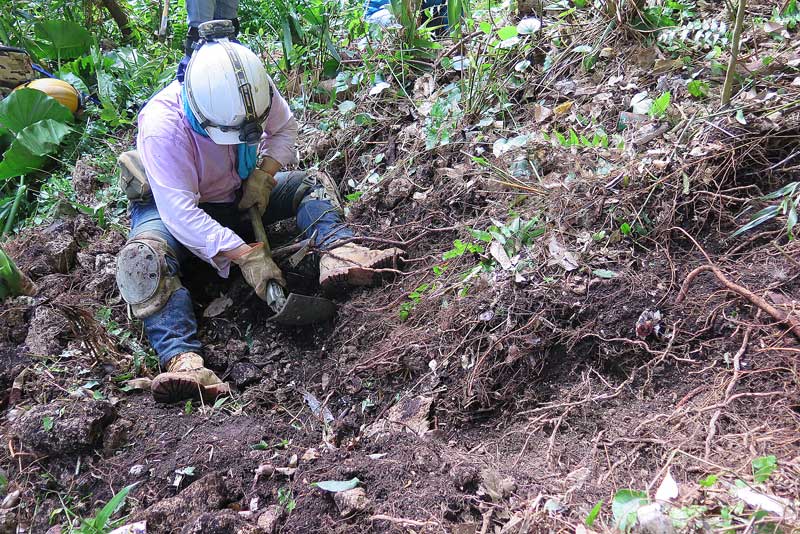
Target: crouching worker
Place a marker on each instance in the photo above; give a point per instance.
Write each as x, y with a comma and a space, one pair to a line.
206, 151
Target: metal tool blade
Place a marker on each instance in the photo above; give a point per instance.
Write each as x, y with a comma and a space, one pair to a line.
301, 310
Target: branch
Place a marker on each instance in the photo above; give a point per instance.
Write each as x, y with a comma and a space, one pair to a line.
754, 299
727, 88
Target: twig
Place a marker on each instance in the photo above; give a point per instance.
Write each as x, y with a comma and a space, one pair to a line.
727, 88
401, 520
712, 424
742, 291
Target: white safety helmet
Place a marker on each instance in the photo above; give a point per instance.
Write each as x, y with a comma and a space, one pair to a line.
229, 92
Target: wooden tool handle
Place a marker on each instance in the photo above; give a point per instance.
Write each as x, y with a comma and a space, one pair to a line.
258, 228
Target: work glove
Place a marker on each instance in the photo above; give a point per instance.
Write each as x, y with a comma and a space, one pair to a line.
258, 269
257, 189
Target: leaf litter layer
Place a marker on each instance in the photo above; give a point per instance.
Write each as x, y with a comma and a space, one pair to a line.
543, 349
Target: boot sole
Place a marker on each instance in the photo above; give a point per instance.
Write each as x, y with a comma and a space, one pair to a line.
172, 388
357, 275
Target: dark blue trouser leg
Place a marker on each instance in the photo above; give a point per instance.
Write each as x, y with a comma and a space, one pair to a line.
173, 329
313, 214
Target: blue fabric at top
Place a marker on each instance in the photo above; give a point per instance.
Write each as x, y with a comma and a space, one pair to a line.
371, 6
246, 155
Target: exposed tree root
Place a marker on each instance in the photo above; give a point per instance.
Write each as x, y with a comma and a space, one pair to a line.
754, 299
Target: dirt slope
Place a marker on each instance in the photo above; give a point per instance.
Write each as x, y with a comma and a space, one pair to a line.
484, 388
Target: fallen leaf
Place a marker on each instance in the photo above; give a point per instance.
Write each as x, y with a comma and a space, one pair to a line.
561, 256
641, 103
217, 306
378, 88
529, 25
310, 455
499, 253
773, 27
138, 384
408, 415
541, 113
668, 489
286, 471
502, 145
769, 503
563, 108
605, 273
335, 486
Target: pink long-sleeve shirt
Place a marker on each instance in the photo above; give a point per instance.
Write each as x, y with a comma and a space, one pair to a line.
184, 169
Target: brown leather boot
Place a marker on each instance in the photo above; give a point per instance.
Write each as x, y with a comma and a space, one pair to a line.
187, 378
354, 265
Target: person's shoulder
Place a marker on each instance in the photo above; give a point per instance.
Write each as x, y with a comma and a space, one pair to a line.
162, 116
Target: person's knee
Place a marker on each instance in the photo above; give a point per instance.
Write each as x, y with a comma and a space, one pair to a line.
311, 187
147, 273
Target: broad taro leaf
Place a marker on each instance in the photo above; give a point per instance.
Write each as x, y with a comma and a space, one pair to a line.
25, 107
29, 151
61, 39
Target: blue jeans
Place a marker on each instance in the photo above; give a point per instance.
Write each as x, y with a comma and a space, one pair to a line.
173, 329
201, 11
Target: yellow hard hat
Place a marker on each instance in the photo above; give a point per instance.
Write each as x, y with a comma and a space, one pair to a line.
67, 95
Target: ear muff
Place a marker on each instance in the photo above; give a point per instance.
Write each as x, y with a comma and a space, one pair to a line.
250, 133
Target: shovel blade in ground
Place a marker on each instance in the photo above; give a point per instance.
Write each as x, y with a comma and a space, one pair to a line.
302, 310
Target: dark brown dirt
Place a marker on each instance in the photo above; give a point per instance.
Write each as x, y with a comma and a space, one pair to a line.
487, 402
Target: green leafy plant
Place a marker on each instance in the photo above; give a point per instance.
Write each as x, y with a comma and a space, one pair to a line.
286, 499
442, 120
624, 506
61, 39
763, 467
101, 523
595, 511
47, 423
789, 197
697, 88
789, 15
660, 105
572, 138
708, 481
460, 248
413, 299
32, 125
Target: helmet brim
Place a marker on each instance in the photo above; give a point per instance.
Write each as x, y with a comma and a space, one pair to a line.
230, 137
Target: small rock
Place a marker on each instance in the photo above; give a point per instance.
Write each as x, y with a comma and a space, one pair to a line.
136, 470
268, 520
310, 455
47, 332
496, 487
293, 461
116, 436
236, 349
465, 477
352, 501
398, 189
77, 426
11, 500
139, 527
286, 471
653, 521
264, 471
212, 492
244, 373
221, 522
